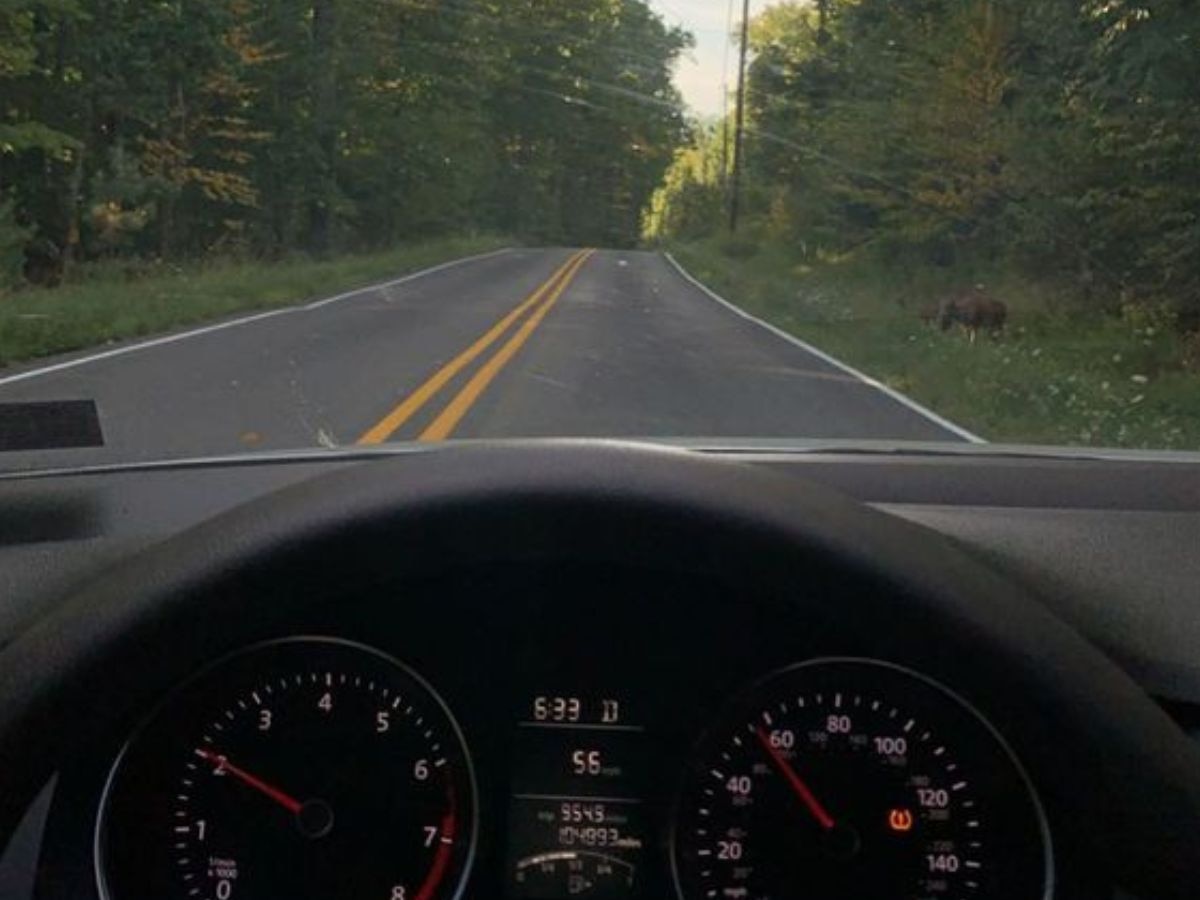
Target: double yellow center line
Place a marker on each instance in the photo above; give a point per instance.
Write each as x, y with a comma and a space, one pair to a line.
540, 301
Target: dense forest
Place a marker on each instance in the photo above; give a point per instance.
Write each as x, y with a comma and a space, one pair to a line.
175, 129
1055, 138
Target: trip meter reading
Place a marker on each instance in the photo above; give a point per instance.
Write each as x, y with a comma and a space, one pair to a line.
576, 818
304, 768
848, 779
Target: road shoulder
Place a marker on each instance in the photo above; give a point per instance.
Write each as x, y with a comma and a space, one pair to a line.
957, 430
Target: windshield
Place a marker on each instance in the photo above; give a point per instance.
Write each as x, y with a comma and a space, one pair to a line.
263, 225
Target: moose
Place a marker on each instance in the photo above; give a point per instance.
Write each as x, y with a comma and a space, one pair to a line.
974, 311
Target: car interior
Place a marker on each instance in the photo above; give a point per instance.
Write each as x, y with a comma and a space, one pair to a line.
584, 666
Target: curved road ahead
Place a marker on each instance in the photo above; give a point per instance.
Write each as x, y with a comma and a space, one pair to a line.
545, 342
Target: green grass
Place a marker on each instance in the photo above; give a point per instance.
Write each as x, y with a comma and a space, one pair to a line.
111, 303
1054, 377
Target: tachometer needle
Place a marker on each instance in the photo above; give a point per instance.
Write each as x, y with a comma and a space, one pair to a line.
222, 763
807, 797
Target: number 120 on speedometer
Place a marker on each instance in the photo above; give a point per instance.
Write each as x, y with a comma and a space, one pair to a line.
854, 779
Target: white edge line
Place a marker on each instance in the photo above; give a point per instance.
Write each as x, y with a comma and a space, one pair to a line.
413, 276
821, 354
244, 320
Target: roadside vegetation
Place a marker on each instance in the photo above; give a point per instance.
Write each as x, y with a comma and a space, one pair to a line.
107, 302
145, 146
1042, 154
1052, 377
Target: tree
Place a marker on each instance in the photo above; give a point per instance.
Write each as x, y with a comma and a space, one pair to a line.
1052, 138
183, 128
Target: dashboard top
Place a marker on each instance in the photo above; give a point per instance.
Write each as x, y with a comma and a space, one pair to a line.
1106, 542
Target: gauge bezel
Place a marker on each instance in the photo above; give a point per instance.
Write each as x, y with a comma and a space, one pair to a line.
98, 863
740, 696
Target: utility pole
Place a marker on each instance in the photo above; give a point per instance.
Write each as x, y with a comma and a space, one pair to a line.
725, 104
739, 133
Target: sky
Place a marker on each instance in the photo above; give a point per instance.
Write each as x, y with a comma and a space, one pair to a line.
698, 76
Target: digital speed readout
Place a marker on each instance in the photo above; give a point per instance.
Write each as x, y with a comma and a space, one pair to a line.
576, 812
828, 779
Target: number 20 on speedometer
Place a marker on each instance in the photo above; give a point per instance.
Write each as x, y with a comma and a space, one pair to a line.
852, 780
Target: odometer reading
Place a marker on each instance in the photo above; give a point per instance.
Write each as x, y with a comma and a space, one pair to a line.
844, 779
576, 822
306, 768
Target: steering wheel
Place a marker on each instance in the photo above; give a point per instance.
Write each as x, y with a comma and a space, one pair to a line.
1133, 781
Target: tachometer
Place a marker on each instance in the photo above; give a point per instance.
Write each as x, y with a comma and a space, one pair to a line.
842, 779
304, 768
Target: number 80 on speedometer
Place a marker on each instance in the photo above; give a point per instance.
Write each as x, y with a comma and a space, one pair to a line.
851, 779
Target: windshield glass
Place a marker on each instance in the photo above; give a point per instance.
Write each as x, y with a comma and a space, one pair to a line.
262, 225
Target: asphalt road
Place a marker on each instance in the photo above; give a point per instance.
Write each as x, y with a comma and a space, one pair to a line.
521, 343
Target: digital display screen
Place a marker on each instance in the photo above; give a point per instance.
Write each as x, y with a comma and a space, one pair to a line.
577, 819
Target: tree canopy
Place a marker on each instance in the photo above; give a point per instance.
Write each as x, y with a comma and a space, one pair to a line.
175, 128
1058, 138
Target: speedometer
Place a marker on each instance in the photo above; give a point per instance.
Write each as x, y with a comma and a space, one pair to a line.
302, 768
848, 779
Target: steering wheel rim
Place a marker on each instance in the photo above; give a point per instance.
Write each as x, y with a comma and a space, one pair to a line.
603, 501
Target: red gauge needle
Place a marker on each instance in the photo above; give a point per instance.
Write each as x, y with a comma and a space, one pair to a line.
797, 783
222, 763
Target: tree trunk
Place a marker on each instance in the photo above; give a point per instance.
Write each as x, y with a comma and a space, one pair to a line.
324, 124
71, 248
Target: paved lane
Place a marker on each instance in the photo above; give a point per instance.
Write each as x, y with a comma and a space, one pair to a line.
634, 349
520, 343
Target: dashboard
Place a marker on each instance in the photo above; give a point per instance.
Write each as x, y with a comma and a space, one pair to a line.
591, 682
588, 739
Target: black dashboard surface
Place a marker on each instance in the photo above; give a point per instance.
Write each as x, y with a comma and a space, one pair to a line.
1108, 545
667, 653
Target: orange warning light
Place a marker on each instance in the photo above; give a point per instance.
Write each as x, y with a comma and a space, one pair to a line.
900, 820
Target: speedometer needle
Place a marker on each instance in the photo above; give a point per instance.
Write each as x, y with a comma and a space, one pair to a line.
807, 797
222, 763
